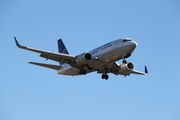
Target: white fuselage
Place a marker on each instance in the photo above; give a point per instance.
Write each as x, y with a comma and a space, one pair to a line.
101, 56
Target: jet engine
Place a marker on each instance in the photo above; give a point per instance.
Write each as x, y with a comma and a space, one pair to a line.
126, 68
83, 58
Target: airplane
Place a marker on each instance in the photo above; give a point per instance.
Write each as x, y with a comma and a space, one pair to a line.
102, 59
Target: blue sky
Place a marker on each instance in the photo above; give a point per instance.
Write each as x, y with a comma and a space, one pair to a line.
31, 92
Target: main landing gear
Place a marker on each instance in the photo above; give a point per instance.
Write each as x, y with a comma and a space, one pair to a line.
82, 72
105, 76
83, 69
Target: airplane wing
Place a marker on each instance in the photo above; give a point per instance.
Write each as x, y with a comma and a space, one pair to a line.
140, 73
114, 67
55, 67
59, 57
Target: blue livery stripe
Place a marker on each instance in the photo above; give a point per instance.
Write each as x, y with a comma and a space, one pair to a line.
61, 47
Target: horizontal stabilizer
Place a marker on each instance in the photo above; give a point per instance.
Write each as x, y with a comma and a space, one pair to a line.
55, 67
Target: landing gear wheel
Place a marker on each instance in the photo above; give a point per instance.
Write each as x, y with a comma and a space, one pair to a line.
82, 72
124, 61
104, 76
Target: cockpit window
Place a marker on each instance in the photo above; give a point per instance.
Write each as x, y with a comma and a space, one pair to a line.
126, 40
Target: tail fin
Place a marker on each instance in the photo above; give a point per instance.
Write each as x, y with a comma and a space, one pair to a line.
61, 47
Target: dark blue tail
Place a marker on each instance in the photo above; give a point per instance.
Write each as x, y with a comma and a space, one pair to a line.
61, 47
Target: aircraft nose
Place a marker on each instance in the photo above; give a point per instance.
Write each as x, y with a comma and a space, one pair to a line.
134, 44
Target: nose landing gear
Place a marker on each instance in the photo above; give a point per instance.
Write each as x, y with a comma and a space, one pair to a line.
126, 56
124, 61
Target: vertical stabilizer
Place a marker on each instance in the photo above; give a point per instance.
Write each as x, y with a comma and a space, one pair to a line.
61, 47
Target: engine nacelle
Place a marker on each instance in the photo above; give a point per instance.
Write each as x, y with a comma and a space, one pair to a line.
125, 69
83, 58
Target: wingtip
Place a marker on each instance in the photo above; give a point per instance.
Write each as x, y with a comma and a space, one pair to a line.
146, 70
18, 45
16, 41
